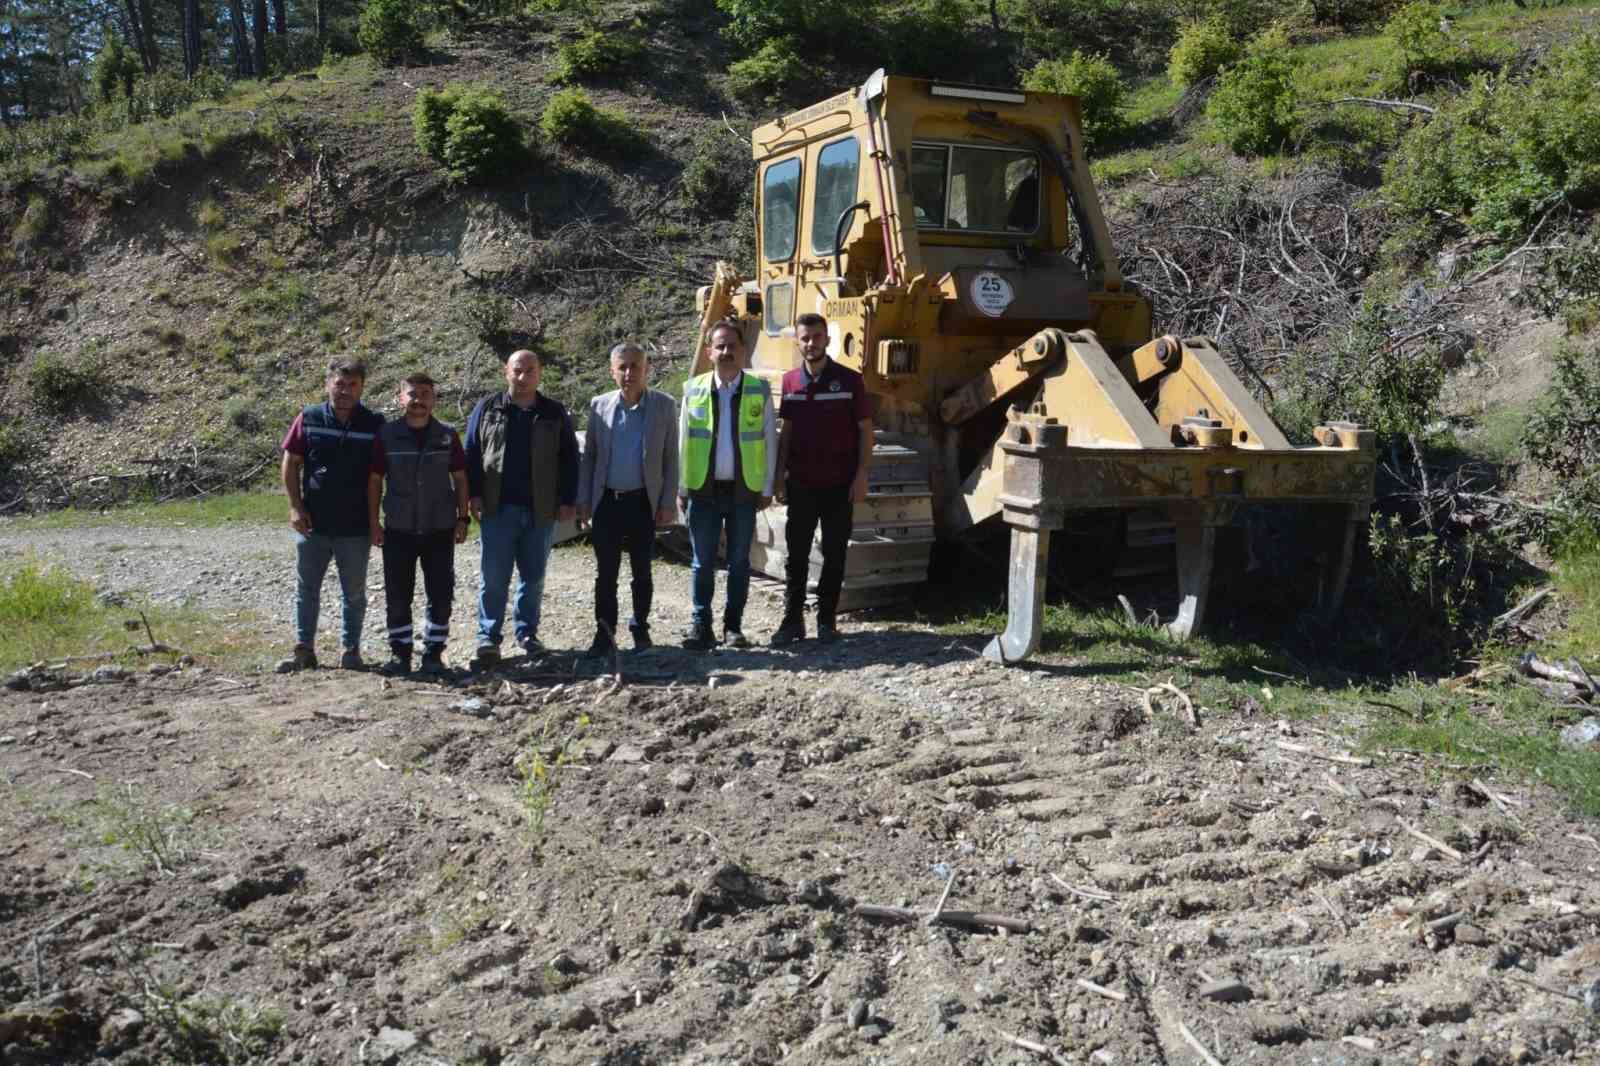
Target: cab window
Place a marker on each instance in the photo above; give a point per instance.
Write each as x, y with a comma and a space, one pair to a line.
780, 210
780, 306
988, 190
837, 165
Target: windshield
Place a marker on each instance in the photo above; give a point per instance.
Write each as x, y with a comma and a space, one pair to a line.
958, 187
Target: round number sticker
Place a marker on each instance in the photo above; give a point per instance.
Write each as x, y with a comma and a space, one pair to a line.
992, 294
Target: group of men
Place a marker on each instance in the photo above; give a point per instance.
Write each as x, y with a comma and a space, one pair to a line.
413, 486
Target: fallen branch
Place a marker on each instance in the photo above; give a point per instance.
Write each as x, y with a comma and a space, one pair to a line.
1533, 666
1199, 1048
1030, 1045
70, 770
1388, 105
969, 919
1099, 895
1521, 610
1102, 990
1545, 988
1165, 686
1444, 848
1301, 749
938, 909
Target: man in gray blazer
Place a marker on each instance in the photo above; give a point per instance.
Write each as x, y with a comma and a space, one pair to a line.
626, 489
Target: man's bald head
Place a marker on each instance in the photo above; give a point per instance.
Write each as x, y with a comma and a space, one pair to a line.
522, 376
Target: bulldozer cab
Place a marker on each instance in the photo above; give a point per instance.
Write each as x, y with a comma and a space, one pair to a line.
908, 183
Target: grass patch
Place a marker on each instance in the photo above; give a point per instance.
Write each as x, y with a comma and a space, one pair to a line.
1507, 730
1518, 733
1577, 580
46, 614
259, 508
1498, 434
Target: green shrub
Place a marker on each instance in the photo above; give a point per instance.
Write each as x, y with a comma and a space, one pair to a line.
1253, 106
390, 30
240, 413
1424, 47
771, 74
31, 594
1563, 434
59, 385
18, 444
115, 68
1204, 47
429, 114
469, 131
597, 55
34, 222
1361, 375
719, 176
570, 119
1503, 153
1098, 86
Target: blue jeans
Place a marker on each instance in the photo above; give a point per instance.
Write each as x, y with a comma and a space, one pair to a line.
708, 515
512, 536
313, 551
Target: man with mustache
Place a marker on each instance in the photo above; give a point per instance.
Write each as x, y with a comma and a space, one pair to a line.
327, 455
424, 518
728, 439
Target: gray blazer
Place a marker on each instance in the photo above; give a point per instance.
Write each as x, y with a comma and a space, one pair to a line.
660, 448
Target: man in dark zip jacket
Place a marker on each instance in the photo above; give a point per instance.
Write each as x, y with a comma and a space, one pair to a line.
327, 457
424, 518
522, 474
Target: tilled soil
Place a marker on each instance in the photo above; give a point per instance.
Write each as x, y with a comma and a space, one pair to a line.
332, 867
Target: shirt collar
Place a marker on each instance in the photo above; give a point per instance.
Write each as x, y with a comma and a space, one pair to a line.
806, 370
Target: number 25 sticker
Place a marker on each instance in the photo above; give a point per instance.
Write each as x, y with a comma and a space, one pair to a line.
991, 294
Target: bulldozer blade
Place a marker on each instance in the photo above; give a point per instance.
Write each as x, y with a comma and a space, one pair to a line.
1030, 562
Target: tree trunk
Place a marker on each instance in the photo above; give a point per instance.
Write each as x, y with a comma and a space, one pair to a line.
191, 38
322, 19
994, 16
280, 24
242, 65
259, 28
150, 49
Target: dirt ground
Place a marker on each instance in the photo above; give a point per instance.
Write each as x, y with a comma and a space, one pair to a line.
217, 866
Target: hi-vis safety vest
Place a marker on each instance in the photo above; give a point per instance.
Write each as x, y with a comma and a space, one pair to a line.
698, 444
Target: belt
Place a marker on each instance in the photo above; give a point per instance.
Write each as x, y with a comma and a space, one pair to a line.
725, 488
624, 495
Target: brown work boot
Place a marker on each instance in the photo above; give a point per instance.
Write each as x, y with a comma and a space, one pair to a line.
303, 657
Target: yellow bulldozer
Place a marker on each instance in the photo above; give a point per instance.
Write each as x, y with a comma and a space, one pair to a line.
952, 237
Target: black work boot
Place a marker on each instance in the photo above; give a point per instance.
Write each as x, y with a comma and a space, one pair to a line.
792, 628
699, 637
827, 628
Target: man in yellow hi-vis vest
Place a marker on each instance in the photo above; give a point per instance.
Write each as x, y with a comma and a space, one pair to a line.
728, 445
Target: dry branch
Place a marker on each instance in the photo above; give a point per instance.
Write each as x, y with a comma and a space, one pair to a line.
1188, 705
1435, 842
969, 919
1388, 105
1302, 749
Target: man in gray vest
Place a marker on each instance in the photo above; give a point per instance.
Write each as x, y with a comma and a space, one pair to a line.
626, 484
424, 518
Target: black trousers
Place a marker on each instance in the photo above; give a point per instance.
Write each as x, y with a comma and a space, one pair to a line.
808, 508
401, 553
623, 521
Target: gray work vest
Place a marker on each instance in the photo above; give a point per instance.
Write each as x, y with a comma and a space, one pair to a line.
419, 496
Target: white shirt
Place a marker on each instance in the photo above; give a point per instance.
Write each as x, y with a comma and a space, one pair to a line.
728, 425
